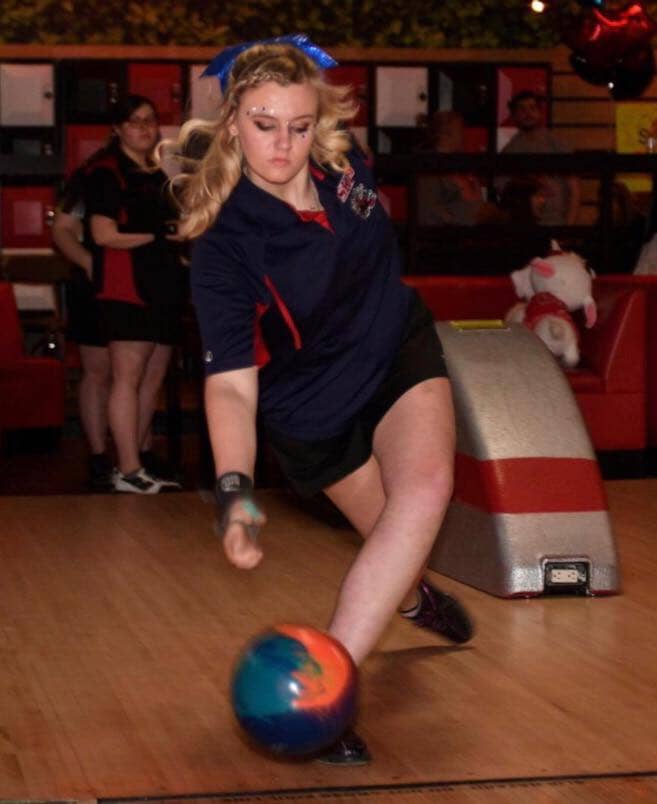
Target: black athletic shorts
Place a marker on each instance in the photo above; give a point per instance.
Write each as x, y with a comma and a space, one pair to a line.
82, 312
311, 466
120, 321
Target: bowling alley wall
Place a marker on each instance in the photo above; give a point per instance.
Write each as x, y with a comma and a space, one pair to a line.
55, 103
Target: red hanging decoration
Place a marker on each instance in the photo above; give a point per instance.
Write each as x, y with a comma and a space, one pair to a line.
613, 48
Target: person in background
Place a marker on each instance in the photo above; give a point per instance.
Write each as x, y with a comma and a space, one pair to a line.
139, 283
83, 328
523, 200
452, 199
302, 312
521, 204
562, 192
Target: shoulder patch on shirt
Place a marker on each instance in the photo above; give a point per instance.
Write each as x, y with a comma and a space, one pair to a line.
346, 184
363, 200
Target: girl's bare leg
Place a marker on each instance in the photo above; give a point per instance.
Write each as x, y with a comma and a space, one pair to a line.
408, 481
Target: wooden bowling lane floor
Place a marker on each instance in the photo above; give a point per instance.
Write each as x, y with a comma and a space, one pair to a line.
119, 622
573, 790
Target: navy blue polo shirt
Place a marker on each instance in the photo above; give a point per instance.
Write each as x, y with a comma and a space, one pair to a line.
319, 307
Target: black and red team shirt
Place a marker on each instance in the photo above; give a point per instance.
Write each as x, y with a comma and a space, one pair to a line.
72, 200
117, 187
72, 203
314, 300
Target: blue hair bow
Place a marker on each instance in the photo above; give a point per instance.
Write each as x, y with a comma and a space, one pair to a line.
222, 64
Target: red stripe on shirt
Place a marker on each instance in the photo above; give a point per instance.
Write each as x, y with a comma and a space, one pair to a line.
262, 356
118, 278
287, 316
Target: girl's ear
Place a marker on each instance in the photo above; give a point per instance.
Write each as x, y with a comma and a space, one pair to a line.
232, 128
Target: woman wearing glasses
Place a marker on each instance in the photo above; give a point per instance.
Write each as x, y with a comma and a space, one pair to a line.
139, 281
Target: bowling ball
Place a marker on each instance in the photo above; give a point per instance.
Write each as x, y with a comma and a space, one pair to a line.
294, 689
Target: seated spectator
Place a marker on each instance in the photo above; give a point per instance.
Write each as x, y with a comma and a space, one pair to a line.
452, 199
523, 200
562, 192
521, 204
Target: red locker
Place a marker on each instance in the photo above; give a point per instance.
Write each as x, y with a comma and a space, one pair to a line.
356, 77
162, 84
27, 214
475, 140
82, 142
511, 80
394, 199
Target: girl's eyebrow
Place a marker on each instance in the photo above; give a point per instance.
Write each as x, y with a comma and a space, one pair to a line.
270, 115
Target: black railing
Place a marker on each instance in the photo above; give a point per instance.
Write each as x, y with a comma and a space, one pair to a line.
497, 248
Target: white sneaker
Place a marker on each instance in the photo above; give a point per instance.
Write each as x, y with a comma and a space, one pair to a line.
139, 482
165, 485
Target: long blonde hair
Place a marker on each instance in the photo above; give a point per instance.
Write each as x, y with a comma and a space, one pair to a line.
204, 184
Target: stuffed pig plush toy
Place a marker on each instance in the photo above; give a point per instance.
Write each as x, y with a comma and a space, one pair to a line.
551, 288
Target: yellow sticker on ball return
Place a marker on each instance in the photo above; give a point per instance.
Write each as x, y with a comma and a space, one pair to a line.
492, 323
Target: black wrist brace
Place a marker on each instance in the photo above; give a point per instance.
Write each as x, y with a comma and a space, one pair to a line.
229, 488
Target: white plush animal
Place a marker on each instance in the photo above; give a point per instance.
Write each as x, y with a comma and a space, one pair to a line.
551, 288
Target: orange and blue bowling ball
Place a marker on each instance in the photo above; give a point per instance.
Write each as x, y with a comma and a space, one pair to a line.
294, 689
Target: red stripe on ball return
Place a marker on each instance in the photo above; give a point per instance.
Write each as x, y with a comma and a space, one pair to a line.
529, 485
